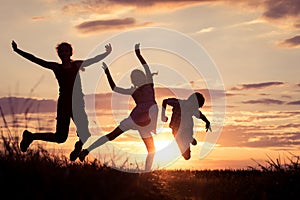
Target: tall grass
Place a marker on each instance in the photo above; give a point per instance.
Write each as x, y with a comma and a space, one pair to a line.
287, 164
38, 174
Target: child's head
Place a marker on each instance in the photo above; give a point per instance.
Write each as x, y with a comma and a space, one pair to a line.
197, 98
138, 77
64, 50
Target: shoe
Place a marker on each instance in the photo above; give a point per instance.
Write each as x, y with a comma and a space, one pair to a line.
75, 153
194, 142
26, 140
83, 154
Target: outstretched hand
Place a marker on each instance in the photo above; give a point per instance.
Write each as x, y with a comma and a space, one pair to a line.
104, 66
14, 45
137, 48
208, 127
108, 48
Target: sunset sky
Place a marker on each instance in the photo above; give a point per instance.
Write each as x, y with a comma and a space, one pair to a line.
254, 44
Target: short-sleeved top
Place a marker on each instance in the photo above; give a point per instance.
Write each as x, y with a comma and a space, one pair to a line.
144, 98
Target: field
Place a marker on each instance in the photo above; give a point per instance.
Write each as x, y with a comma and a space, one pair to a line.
37, 174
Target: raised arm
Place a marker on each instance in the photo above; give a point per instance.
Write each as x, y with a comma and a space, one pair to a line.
112, 83
97, 58
144, 63
32, 58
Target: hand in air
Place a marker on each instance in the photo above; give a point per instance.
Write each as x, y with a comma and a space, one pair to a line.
208, 127
137, 48
104, 66
14, 45
108, 48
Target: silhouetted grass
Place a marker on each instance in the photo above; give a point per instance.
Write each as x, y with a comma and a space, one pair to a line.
37, 174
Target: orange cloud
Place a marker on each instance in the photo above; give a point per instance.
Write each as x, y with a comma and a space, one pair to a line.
279, 12
38, 18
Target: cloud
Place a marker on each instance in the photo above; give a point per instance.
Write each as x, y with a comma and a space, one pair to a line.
260, 136
277, 9
38, 18
153, 2
232, 94
256, 85
111, 24
294, 103
206, 30
272, 10
264, 101
121, 6
284, 126
286, 96
291, 42
17, 105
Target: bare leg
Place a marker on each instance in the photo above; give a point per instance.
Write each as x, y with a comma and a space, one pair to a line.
102, 140
151, 152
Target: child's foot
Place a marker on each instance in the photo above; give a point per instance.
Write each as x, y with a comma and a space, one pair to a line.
26, 140
75, 153
187, 154
194, 142
83, 154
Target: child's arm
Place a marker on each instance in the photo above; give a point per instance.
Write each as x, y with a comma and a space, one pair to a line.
32, 58
112, 83
97, 58
200, 115
207, 125
171, 102
144, 63
164, 118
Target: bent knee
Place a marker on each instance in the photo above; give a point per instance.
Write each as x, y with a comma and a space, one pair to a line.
60, 139
151, 150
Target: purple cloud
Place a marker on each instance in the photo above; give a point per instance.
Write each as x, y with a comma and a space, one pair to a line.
277, 9
291, 42
294, 103
256, 85
104, 25
264, 101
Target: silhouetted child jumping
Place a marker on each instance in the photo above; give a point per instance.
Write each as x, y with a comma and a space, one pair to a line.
70, 95
142, 118
182, 123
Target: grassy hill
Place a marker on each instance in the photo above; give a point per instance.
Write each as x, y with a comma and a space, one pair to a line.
38, 175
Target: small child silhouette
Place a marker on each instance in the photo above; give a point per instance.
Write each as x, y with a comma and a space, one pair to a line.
70, 94
144, 115
182, 120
